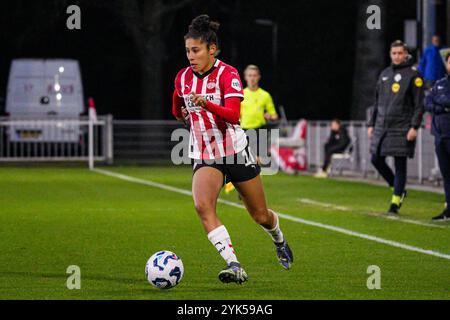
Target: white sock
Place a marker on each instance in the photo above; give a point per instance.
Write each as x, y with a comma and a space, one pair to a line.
275, 233
220, 238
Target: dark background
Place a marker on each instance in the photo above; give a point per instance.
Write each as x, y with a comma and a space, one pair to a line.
119, 40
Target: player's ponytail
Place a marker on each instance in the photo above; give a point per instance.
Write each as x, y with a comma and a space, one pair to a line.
203, 28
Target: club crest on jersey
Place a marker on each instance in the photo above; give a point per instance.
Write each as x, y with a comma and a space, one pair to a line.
236, 84
211, 84
398, 77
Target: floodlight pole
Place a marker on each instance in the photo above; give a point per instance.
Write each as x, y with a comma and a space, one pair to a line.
274, 26
419, 28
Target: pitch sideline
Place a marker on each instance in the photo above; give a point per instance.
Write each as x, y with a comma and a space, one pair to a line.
282, 215
372, 214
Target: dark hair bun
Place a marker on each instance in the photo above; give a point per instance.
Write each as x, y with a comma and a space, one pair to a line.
203, 23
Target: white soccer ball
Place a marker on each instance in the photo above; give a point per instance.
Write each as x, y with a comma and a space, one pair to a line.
164, 270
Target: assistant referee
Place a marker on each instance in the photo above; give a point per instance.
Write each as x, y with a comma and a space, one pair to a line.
257, 106
256, 109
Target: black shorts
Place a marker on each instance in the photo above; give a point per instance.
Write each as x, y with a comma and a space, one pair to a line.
239, 167
254, 144
260, 137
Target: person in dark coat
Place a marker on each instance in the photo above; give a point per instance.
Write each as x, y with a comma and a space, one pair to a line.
396, 117
337, 142
438, 104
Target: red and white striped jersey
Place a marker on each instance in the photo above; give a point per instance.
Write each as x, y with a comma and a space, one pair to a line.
211, 137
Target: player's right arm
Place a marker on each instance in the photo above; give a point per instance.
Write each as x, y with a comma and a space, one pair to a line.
178, 108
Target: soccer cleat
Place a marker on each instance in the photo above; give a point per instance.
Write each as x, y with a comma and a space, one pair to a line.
229, 187
393, 209
444, 216
233, 273
284, 254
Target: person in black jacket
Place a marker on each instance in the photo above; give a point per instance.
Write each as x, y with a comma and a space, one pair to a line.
438, 104
337, 143
396, 117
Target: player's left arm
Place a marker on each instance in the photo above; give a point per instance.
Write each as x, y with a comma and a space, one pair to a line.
230, 112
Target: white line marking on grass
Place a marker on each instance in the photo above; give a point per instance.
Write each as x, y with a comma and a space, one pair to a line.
374, 214
322, 204
367, 237
282, 215
142, 181
408, 221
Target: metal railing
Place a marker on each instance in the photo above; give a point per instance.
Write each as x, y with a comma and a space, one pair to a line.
144, 141
149, 141
422, 167
31, 140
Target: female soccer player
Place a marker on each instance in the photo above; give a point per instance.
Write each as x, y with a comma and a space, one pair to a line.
209, 93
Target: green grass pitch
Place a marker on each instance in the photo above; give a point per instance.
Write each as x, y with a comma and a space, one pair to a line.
53, 217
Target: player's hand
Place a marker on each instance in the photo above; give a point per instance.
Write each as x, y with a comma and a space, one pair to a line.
185, 113
370, 132
184, 116
198, 100
412, 134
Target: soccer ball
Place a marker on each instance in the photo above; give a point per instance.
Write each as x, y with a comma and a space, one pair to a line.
164, 270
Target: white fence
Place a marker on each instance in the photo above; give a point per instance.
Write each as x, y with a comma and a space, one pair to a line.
422, 167
56, 140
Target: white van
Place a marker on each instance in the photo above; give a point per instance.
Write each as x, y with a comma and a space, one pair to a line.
44, 89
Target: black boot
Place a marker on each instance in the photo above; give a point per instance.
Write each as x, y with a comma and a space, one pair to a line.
445, 215
393, 209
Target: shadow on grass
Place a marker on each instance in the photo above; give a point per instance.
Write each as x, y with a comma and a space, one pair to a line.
138, 288
65, 276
